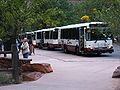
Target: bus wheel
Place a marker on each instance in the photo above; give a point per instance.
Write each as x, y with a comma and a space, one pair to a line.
40, 46
50, 47
65, 50
77, 51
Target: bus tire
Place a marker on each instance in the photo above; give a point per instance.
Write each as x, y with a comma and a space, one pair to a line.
77, 51
40, 46
50, 47
65, 49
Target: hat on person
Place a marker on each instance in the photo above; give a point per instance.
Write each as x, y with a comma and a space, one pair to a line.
25, 39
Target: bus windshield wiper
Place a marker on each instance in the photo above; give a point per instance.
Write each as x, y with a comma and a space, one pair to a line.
105, 40
95, 41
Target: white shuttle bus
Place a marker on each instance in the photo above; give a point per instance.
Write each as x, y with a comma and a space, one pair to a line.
85, 38
47, 38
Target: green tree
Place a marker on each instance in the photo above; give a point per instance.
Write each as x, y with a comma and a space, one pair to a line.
15, 15
27, 15
68, 10
101, 10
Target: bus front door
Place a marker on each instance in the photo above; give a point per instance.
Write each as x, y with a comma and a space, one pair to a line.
81, 39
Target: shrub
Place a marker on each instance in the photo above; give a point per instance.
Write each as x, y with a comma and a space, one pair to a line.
5, 78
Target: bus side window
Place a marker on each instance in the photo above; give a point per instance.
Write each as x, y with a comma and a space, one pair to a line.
47, 35
64, 34
38, 35
51, 34
55, 34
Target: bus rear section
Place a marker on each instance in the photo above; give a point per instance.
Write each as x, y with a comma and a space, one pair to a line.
51, 39
47, 38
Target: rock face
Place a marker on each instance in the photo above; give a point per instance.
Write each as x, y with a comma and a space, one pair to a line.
31, 76
43, 67
116, 73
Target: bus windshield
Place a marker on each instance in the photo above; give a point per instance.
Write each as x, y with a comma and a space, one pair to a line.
97, 34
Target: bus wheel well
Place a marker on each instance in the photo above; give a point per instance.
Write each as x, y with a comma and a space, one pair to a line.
65, 48
77, 50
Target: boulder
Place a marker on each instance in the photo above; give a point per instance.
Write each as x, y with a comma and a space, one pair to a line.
43, 67
116, 73
118, 67
27, 68
31, 76
6, 62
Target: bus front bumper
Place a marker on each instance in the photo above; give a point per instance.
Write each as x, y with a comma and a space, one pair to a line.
99, 51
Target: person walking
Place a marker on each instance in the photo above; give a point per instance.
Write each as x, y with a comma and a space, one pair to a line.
25, 48
31, 46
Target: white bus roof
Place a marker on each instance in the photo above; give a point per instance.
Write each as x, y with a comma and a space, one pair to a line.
79, 25
49, 29
29, 32
70, 26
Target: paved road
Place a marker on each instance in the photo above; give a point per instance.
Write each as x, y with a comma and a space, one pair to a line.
72, 72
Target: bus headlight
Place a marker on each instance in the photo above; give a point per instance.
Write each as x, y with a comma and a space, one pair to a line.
110, 47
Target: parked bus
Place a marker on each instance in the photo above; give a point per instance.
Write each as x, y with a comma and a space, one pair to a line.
85, 38
47, 38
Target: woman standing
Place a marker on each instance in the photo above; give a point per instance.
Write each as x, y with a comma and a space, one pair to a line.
25, 48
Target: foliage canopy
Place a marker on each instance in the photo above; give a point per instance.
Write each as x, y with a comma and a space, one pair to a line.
17, 15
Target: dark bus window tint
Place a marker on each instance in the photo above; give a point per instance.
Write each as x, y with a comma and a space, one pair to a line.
64, 34
47, 35
70, 33
98, 25
42, 35
29, 36
38, 35
51, 34
77, 33
55, 35
33, 37
74, 33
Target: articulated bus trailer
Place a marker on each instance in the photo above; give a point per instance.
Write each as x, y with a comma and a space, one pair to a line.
48, 38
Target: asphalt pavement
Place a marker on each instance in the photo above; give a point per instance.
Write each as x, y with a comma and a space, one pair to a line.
72, 72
